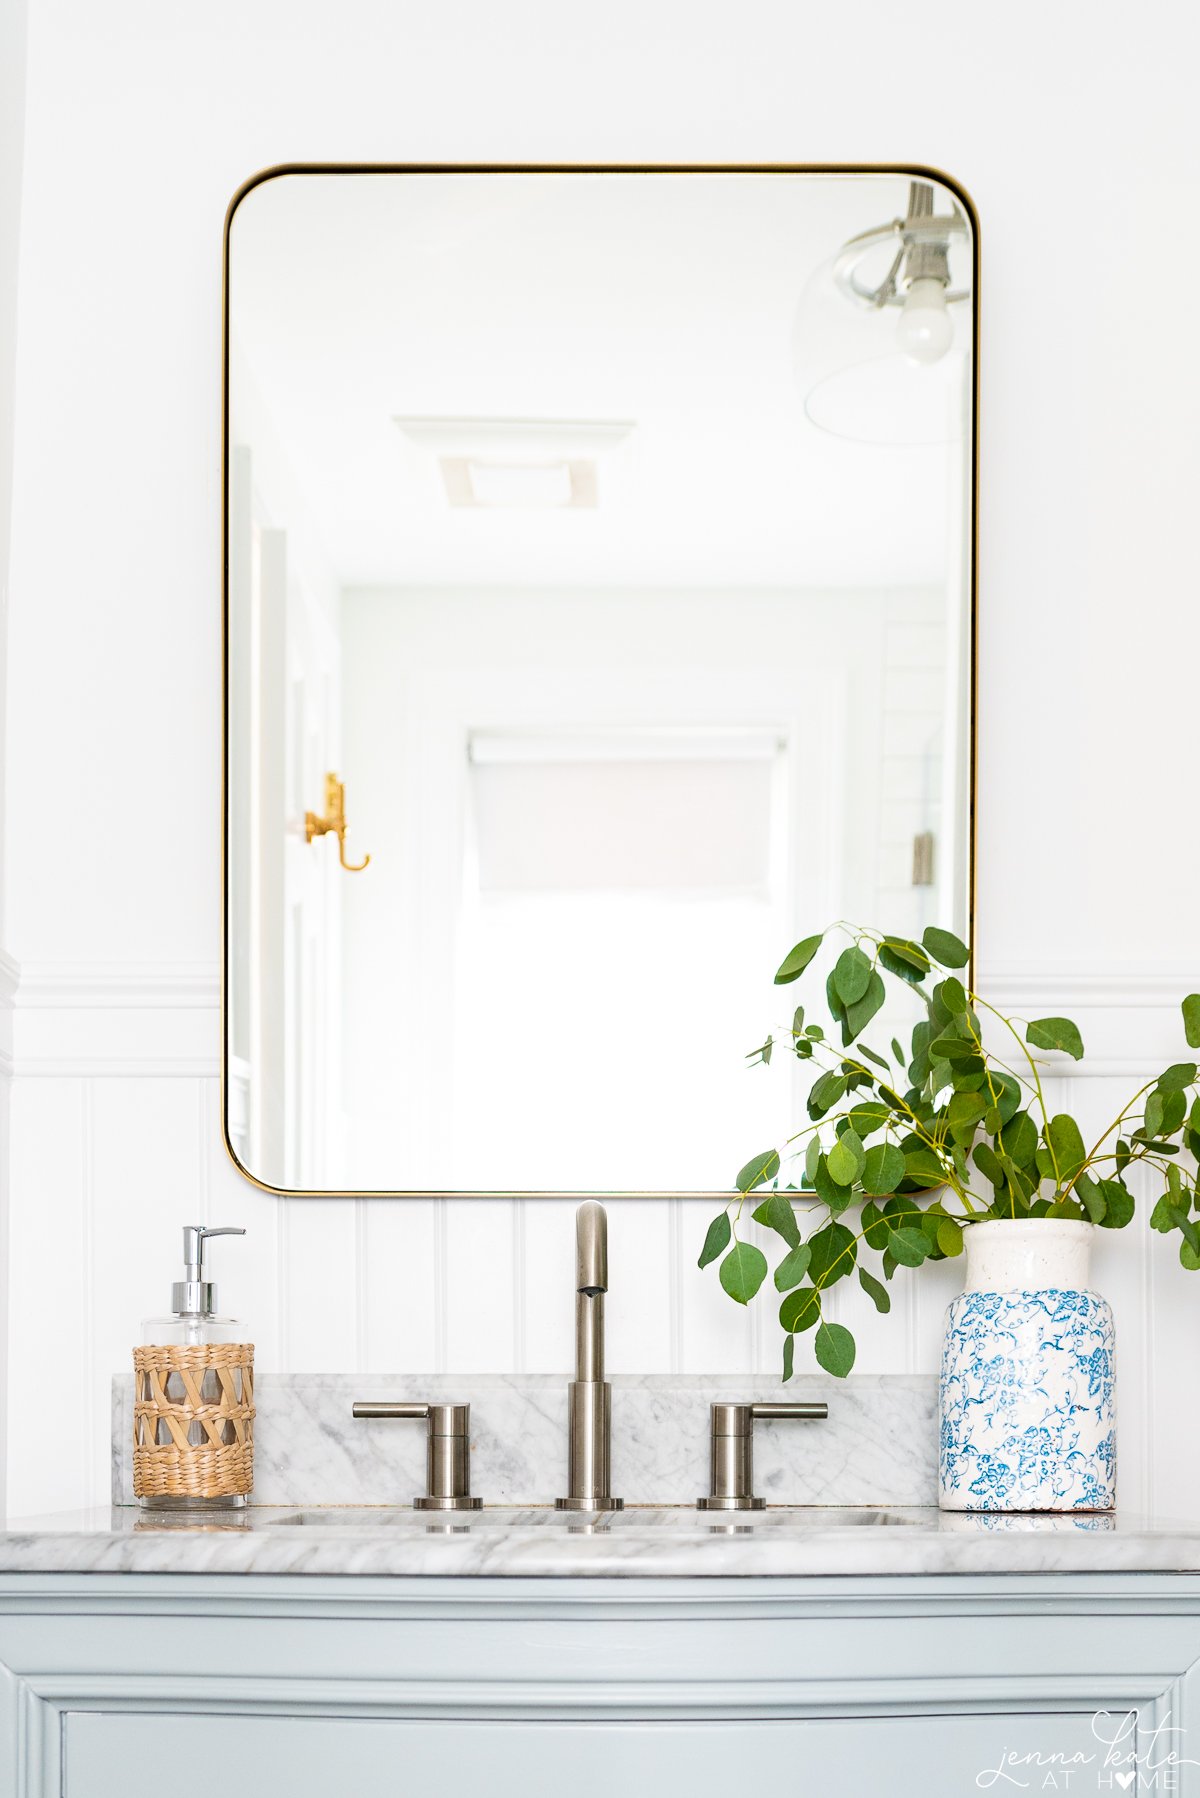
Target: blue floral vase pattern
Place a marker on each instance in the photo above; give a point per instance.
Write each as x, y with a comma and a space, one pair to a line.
1027, 1406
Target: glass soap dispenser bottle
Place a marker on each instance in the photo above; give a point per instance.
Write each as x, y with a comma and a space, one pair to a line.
193, 1440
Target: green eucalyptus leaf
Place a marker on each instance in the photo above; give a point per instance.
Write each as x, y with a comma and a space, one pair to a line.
954, 1049
1009, 1097
852, 974
950, 1237
777, 1214
800, 1310
833, 1254
862, 1049
909, 1247
1191, 1020
789, 1357
883, 1169
1094, 1202
945, 947
922, 1037
1177, 1077
878, 1294
1188, 1257
875, 1227
1118, 1205
798, 1020
954, 996
1067, 1143
837, 1197
825, 1094
835, 1349
743, 1271
717, 1240
859, 1015
924, 1170
900, 966
868, 1117
1056, 1033
1019, 1138
795, 962
985, 1160
762, 1168
1165, 1216
811, 1157
793, 1267
962, 1115
1152, 1117
1174, 1111
845, 1159
908, 960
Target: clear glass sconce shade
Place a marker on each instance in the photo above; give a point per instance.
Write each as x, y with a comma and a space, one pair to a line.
857, 369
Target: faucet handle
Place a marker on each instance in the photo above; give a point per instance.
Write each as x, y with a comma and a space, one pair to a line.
447, 1450
731, 1480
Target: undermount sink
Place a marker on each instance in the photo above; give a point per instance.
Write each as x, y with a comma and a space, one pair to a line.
679, 1519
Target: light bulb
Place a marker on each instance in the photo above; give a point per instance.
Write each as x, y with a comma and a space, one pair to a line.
926, 329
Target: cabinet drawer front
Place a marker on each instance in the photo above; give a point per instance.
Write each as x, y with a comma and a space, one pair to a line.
205, 1755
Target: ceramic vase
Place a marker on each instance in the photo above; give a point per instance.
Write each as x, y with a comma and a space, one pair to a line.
1027, 1401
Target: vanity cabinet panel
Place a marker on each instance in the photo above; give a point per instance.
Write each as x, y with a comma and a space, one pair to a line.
197, 1756
218, 1686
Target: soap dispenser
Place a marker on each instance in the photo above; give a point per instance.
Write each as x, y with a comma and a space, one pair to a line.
193, 1410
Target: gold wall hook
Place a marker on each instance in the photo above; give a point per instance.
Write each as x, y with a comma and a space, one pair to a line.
335, 821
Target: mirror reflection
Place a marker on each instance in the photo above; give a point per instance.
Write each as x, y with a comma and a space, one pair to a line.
598, 622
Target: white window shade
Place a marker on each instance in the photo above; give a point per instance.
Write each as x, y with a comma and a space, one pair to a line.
621, 891
690, 814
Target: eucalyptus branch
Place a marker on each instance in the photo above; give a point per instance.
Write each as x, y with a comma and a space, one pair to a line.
906, 1156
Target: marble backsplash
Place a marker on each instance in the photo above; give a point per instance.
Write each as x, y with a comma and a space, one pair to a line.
878, 1445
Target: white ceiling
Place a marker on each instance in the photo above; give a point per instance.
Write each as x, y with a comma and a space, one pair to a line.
666, 300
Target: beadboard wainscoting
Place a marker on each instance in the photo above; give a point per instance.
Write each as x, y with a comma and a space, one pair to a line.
116, 1143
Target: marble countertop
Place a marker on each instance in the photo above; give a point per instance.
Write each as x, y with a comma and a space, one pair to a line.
649, 1543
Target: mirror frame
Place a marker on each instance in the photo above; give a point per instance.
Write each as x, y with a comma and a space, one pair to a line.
911, 171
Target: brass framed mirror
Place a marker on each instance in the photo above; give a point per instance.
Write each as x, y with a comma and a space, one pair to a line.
599, 618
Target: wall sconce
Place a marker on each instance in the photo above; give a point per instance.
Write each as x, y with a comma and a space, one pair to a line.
881, 333
335, 821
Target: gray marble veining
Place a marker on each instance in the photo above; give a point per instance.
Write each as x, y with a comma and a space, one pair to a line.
638, 1544
877, 1447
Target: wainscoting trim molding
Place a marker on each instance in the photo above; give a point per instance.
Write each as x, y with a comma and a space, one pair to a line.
116, 986
1112, 987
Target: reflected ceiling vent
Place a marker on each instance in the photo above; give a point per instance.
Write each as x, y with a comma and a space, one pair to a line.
518, 464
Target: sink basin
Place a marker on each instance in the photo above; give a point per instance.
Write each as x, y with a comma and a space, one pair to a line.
679, 1520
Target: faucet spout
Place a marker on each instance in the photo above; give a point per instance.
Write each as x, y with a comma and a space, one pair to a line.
589, 1395
591, 1248
591, 1284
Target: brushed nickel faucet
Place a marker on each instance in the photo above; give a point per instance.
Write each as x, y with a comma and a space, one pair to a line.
447, 1450
731, 1482
589, 1394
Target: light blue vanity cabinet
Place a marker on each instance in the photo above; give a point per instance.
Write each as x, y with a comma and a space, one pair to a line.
136, 1685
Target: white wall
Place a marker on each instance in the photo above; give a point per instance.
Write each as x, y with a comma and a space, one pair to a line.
1071, 126
12, 143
